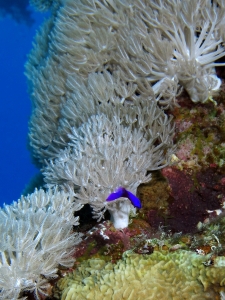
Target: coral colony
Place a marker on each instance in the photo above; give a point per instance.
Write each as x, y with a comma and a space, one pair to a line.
102, 76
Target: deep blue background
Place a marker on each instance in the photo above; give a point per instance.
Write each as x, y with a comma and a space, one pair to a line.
16, 168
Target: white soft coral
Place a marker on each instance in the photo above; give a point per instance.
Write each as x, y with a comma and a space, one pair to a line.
106, 153
193, 29
35, 237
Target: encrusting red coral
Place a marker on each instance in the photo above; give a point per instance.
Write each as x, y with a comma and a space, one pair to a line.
191, 197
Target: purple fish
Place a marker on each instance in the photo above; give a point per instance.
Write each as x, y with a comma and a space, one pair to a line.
122, 192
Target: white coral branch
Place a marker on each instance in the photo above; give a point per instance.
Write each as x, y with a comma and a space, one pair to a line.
35, 238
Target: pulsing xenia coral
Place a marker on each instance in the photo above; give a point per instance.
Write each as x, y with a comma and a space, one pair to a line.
35, 238
161, 46
115, 147
195, 32
174, 44
118, 142
96, 72
104, 154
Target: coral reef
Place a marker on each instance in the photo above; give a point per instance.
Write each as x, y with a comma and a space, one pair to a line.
179, 275
92, 92
114, 148
36, 237
155, 46
106, 81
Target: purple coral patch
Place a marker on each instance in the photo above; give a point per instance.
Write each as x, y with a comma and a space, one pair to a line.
192, 196
122, 192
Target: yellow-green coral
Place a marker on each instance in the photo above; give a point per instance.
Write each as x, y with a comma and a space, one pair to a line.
179, 275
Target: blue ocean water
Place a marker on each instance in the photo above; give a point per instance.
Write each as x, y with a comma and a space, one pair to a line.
16, 168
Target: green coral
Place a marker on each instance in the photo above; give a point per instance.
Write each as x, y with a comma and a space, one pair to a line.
161, 275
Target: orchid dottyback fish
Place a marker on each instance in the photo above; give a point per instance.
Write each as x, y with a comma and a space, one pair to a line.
122, 192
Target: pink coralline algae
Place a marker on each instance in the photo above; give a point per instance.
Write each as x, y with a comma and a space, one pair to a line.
182, 125
185, 150
192, 195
